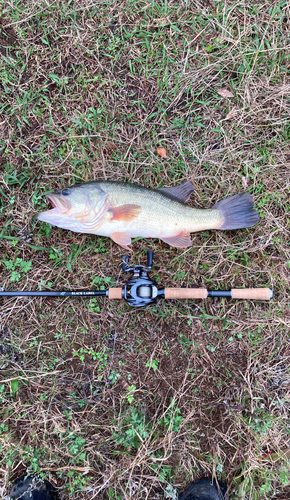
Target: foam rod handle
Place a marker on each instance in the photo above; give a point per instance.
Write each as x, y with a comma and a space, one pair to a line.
115, 293
252, 293
185, 293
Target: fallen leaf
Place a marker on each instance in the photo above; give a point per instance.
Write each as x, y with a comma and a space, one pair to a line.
108, 148
225, 93
231, 114
111, 145
161, 151
123, 383
237, 407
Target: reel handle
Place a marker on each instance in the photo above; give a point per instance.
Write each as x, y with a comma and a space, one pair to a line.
150, 255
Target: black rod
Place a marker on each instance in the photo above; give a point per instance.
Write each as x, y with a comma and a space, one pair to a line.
92, 293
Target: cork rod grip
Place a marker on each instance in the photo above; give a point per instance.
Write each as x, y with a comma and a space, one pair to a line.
252, 293
115, 293
185, 293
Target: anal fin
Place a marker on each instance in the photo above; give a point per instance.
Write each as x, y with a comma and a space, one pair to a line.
122, 238
180, 240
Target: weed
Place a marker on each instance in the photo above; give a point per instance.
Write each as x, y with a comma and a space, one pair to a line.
133, 429
18, 268
173, 418
114, 376
185, 342
153, 363
100, 356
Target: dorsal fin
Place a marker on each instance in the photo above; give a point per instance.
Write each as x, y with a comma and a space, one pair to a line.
181, 192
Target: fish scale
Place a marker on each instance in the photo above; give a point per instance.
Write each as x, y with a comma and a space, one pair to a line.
161, 214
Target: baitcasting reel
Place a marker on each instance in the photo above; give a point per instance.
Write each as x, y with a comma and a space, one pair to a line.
140, 290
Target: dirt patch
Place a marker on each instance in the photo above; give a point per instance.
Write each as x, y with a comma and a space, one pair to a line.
7, 352
8, 39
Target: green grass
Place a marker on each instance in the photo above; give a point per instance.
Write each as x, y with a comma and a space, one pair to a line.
103, 399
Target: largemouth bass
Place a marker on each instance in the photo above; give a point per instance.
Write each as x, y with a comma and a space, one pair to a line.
123, 211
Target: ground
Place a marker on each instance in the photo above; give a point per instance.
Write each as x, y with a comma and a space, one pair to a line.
104, 400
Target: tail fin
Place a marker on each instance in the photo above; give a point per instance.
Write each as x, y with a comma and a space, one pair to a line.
237, 211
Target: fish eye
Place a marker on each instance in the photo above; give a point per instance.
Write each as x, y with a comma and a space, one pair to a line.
65, 192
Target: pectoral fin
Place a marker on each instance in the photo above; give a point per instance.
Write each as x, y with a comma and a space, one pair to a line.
125, 212
122, 239
181, 240
181, 192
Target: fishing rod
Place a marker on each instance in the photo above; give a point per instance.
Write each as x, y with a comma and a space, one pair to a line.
140, 290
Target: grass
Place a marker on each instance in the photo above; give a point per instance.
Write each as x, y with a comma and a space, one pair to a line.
104, 400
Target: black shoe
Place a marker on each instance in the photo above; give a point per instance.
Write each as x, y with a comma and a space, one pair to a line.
205, 489
32, 488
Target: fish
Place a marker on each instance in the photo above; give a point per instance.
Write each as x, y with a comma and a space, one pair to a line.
123, 210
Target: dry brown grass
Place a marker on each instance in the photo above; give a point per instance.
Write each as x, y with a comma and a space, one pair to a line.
75, 79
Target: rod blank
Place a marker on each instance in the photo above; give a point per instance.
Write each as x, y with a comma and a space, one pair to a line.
87, 293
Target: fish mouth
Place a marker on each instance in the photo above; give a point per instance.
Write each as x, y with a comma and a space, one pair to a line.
58, 213
59, 205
